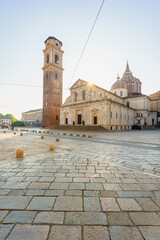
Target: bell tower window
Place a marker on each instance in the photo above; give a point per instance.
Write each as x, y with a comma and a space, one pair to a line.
47, 58
56, 75
56, 59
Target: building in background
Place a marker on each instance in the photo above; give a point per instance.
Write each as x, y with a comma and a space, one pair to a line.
32, 117
5, 122
155, 104
52, 81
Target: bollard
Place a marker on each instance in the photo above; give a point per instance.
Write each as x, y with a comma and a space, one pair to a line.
21, 134
77, 134
14, 133
71, 134
4, 131
57, 139
19, 153
51, 132
58, 133
64, 133
48, 132
83, 135
89, 136
42, 137
52, 147
39, 131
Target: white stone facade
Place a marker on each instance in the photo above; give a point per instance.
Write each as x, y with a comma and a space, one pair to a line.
91, 105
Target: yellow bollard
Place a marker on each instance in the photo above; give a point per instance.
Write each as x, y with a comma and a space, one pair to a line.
71, 134
42, 137
4, 131
48, 132
51, 132
83, 135
57, 139
89, 136
14, 133
64, 133
77, 134
52, 147
58, 133
44, 132
21, 134
39, 131
19, 153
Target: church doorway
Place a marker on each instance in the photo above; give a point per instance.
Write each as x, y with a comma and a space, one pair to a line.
79, 119
66, 121
95, 120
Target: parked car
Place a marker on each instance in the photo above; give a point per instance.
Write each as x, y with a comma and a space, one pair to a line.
137, 126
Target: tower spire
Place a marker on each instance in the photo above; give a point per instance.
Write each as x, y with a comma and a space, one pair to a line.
127, 67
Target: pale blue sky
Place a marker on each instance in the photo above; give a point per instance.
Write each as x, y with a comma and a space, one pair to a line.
124, 30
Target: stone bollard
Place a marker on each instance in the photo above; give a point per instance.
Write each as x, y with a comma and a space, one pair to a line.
14, 133
48, 132
42, 137
19, 153
39, 131
51, 132
71, 134
4, 131
52, 147
83, 135
58, 133
57, 139
64, 133
77, 134
89, 136
21, 134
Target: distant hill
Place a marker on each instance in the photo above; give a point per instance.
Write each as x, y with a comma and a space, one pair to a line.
13, 119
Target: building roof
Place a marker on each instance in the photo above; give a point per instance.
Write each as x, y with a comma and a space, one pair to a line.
50, 37
118, 84
36, 110
137, 96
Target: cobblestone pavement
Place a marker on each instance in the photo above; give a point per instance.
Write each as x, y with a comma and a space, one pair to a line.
100, 188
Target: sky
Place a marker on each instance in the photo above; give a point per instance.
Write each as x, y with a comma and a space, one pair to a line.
125, 30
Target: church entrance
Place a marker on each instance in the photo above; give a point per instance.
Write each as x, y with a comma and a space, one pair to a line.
79, 119
95, 120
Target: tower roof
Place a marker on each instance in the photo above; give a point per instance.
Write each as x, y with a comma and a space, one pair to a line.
50, 37
127, 67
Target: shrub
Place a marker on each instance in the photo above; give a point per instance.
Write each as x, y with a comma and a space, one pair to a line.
17, 124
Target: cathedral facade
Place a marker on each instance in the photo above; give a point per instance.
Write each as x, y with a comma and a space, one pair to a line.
117, 109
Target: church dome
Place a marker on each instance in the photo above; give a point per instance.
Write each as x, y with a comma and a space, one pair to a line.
118, 84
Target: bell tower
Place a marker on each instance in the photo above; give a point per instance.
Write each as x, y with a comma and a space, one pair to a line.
52, 81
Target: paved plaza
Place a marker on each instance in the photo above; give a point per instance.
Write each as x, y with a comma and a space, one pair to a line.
99, 188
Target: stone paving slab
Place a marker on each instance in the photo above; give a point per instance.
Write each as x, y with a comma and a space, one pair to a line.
4, 230
65, 232
14, 202
20, 217
67, 203
96, 233
29, 232
50, 217
41, 203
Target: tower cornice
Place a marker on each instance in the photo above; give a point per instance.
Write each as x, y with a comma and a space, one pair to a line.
52, 65
44, 50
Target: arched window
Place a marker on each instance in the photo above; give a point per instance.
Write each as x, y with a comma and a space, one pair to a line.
136, 86
48, 58
121, 93
83, 95
115, 93
75, 96
56, 59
